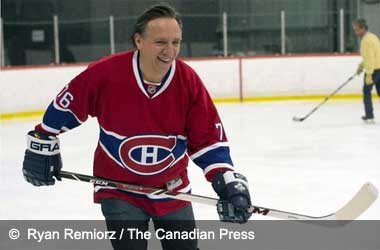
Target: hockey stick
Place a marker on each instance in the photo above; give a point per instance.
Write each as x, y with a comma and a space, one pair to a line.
300, 119
353, 209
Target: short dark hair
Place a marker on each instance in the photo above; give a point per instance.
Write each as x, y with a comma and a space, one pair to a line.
361, 23
154, 12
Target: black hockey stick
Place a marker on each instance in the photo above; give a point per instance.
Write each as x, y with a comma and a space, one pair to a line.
300, 119
355, 207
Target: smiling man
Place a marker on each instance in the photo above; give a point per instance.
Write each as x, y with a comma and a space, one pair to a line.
154, 114
159, 45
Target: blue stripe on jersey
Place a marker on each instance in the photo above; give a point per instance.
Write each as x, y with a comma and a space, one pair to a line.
180, 148
217, 155
58, 119
111, 143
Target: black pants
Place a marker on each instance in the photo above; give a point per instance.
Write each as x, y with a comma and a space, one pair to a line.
367, 93
121, 215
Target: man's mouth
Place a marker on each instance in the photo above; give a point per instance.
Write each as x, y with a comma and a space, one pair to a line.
164, 60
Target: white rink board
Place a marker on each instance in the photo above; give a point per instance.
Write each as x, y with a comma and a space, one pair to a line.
221, 77
33, 88
299, 75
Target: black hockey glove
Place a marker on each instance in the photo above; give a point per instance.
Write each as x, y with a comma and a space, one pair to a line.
42, 159
233, 192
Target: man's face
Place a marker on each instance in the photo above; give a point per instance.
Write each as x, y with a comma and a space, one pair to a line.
159, 45
359, 32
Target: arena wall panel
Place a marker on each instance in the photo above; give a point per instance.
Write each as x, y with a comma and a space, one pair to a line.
28, 89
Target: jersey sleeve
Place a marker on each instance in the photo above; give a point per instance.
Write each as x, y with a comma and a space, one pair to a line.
207, 142
73, 104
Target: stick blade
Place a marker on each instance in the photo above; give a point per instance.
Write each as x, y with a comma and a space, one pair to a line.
364, 198
298, 119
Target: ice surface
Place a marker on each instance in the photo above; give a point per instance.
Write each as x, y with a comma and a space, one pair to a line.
312, 167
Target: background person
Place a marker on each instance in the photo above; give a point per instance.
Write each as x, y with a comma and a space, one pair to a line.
370, 53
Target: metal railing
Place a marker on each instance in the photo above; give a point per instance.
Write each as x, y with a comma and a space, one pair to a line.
55, 41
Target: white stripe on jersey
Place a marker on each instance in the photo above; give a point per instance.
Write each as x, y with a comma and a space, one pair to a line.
208, 148
217, 165
120, 137
50, 129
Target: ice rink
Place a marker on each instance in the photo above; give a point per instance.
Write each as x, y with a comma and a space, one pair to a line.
313, 167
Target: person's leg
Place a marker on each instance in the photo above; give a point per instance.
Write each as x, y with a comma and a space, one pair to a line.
376, 80
179, 220
367, 100
121, 215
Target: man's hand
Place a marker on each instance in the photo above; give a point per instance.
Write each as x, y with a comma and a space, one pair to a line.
233, 192
42, 159
368, 79
359, 70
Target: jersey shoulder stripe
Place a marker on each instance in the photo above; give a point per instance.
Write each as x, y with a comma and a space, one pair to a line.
57, 119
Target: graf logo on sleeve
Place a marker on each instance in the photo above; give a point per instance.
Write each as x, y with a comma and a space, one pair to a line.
148, 154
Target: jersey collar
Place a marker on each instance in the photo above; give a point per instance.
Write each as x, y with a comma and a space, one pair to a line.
140, 82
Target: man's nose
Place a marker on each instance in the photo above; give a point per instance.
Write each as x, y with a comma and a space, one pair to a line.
169, 49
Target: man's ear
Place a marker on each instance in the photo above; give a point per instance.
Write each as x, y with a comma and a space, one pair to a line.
138, 39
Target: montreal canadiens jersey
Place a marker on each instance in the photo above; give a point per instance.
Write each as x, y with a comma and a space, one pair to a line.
148, 133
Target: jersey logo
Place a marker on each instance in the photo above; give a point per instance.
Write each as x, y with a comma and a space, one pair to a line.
151, 89
148, 154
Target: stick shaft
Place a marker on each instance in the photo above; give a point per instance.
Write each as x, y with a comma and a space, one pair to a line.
365, 193
160, 192
327, 98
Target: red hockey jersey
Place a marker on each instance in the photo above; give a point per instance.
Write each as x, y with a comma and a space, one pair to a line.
147, 133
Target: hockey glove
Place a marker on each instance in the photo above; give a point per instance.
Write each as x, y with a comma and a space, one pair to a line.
368, 79
235, 200
359, 70
42, 159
